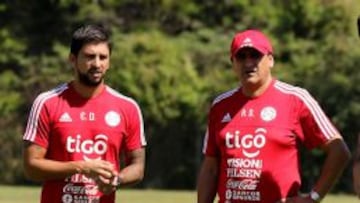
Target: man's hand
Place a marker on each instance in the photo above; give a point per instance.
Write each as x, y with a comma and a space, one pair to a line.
103, 173
107, 185
98, 168
298, 199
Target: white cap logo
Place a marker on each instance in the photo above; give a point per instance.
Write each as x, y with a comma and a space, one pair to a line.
247, 43
268, 113
112, 118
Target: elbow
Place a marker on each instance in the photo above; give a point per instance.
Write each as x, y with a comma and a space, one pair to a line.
27, 170
140, 175
348, 156
338, 153
344, 153
140, 171
31, 173
131, 178
27, 174
138, 180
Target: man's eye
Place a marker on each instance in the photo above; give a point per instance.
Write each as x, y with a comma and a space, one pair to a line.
251, 55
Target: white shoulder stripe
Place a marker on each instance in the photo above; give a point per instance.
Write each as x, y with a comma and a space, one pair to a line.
117, 94
34, 115
205, 143
224, 96
321, 119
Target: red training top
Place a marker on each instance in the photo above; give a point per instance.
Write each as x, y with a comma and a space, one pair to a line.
257, 140
72, 128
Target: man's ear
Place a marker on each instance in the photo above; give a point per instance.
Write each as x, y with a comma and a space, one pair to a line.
271, 61
72, 59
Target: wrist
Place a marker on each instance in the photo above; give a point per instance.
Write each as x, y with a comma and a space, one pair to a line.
315, 196
118, 180
80, 167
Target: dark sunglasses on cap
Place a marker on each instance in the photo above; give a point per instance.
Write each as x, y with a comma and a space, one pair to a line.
251, 53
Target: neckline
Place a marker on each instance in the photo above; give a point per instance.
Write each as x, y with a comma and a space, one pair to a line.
267, 90
82, 98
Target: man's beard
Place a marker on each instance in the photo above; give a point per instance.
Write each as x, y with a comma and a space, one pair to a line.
86, 80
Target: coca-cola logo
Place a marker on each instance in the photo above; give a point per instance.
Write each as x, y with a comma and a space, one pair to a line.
80, 189
246, 184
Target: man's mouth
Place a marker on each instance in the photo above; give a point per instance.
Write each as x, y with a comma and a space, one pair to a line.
95, 73
250, 71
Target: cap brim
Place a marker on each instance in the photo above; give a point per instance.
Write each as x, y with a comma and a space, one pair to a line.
251, 47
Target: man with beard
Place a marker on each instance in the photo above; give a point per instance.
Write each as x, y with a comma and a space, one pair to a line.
254, 132
77, 131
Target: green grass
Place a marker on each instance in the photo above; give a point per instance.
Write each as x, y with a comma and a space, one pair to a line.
20, 194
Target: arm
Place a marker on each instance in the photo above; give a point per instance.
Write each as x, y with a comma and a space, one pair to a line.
207, 181
38, 168
318, 129
338, 156
131, 174
134, 171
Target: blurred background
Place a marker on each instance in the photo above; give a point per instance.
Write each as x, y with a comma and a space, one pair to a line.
173, 58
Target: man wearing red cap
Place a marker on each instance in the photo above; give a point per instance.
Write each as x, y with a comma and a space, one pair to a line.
251, 147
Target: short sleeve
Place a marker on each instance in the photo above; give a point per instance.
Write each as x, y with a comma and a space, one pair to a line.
37, 128
209, 142
316, 126
135, 137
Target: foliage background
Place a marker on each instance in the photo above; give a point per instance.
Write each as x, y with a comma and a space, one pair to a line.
172, 57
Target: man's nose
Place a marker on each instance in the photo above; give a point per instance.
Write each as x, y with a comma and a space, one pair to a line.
97, 62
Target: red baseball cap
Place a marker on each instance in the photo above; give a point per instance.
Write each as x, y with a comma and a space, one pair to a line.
251, 38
